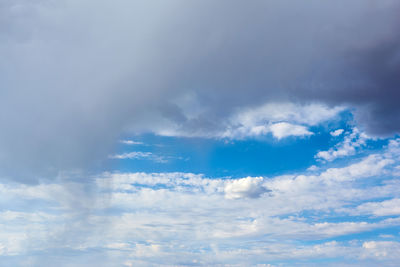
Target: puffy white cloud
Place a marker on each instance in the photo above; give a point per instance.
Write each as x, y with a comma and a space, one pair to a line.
283, 129
279, 119
250, 187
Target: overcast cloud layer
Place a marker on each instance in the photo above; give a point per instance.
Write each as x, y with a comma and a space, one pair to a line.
76, 74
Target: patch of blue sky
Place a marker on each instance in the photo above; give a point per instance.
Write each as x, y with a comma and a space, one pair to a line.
218, 158
259, 156
138, 186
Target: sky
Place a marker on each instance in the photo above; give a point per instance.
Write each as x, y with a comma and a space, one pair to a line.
199, 133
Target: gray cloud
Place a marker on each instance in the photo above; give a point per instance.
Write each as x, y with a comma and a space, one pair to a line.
75, 74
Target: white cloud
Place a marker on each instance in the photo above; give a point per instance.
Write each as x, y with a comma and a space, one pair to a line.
312, 114
140, 155
250, 187
347, 147
337, 132
130, 142
381, 250
384, 208
280, 119
132, 155
370, 166
313, 168
283, 129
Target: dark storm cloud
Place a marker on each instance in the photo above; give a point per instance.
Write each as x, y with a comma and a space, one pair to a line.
381, 66
367, 76
75, 74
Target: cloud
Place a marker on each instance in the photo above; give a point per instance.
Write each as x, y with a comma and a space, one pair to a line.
284, 129
311, 114
313, 168
111, 68
250, 187
281, 119
380, 249
132, 155
130, 142
347, 147
384, 208
140, 155
337, 132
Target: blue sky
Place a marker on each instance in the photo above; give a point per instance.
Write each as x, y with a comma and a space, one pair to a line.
199, 133
261, 155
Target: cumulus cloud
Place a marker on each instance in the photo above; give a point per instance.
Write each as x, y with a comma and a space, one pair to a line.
279, 119
284, 129
250, 187
75, 75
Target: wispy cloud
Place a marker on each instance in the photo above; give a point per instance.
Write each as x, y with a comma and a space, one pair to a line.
141, 155
130, 142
